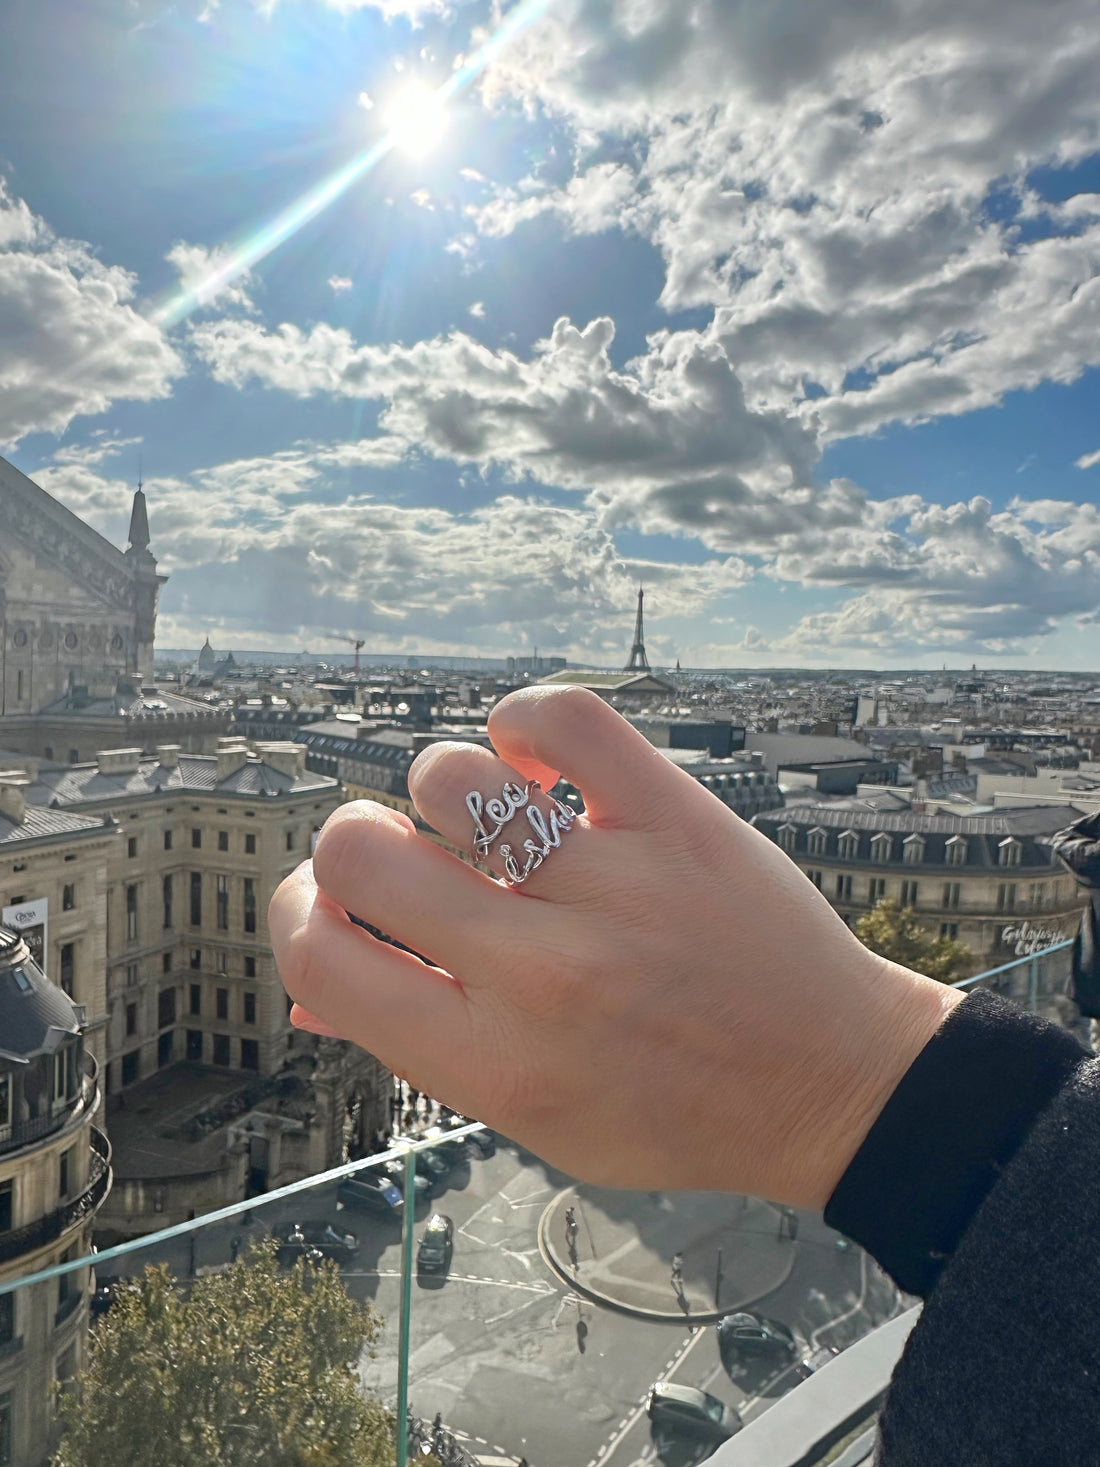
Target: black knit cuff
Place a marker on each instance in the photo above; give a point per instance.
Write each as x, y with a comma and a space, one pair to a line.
960, 1112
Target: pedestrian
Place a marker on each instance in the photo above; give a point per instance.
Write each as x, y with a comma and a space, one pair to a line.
678, 1272
571, 1220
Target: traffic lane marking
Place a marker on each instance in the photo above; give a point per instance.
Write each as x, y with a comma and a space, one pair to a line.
627, 1425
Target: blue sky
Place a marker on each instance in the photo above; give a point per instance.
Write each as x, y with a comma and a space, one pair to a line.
804, 336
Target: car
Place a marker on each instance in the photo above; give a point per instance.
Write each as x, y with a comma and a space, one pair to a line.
436, 1244
373, 1193
685, 1410
313, 1240
483, 1142
810, 1364
395, 1173
747, 1337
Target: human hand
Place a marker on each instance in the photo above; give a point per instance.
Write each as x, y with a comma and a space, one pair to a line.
667, 1002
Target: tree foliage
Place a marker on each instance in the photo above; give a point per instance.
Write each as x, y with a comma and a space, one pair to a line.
254, 1367
894, 932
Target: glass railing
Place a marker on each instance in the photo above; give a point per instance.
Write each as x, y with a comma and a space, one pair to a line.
539, 1321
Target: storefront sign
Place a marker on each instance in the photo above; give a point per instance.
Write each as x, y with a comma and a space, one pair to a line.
29, 920
1025, 938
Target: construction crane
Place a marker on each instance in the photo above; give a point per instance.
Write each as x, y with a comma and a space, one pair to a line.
355, 642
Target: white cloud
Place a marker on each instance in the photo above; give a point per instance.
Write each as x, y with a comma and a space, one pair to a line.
477, 310
829, 197
73, 342
1088, 460
199, 269
338, 284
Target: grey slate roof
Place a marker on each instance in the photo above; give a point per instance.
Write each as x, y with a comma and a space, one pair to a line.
137, 707
40, 822
81, 784
35, 1015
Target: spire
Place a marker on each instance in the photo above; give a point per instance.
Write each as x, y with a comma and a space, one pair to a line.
139, 521
639, 662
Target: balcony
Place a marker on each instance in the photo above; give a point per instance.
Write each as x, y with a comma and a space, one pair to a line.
21, 1134
538, 1341
71, 1214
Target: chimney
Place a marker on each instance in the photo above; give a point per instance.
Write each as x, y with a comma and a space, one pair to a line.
13, 795
232, 755
169, 756
118, 761
288, 758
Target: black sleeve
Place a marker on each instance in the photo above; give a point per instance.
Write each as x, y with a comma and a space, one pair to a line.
959, 1115
979, 1187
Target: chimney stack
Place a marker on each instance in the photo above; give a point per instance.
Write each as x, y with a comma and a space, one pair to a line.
232, 755
288, 758
13, 795
169, 756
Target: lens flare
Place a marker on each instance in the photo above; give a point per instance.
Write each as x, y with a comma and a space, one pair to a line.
408, 131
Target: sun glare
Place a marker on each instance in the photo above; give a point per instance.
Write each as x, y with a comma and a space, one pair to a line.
416, 119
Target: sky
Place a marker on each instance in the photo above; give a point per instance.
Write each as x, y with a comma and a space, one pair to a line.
446, 324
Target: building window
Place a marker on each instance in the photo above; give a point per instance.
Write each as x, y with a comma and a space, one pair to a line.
250, 1008
1008, 852
131, 975
815, 877
877, 890
249, 904
955, 851
66, 1172
221, 1049
952, 892
7, 1206
250, 845
130, 1067
949, 929
131, 1019
131, 846
194, 1046
68, 897
195, 1005
221, 1003
882, 847
166, 893
250, 966
131, 913
5, 1102
844, 888
196, 957
250, 1054
68, 966
74, 756
166, 962
1006, 897
167, 840
166, 1007
221, 961
222, 903
223, 840
290, 840
196, 898
909, 893
165, 1045
196, 839
7, 1325
847, 845
7, 1431
785, 838
816, 841
913, 848
1037, 894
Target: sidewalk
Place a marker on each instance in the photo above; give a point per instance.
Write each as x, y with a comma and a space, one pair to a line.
625, 1244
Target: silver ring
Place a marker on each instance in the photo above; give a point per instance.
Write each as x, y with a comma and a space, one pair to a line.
491, 816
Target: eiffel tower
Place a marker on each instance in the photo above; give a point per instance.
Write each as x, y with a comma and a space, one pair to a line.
639, 662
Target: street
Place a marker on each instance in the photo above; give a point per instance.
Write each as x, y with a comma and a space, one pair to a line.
519, 1363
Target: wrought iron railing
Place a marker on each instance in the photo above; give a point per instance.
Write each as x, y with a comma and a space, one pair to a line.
71, 1214
28, 1132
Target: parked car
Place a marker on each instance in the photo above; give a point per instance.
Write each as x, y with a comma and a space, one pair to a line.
811, 1363
372, 1192
394, 1172
433, 1254
684, 1410
314, 1239
746, 1337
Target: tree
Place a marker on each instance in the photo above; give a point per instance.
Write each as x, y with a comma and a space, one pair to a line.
255, 1367
894, 932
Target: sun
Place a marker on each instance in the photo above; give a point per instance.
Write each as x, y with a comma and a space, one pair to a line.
416, 119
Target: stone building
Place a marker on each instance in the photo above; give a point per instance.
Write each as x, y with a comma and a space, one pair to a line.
55, 1174
172, 860
77, 622
989, 880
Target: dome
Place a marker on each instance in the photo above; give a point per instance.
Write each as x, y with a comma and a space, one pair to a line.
35, 1015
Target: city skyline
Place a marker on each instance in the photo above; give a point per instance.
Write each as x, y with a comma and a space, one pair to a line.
802, 337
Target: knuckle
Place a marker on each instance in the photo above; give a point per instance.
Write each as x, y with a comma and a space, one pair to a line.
302, 970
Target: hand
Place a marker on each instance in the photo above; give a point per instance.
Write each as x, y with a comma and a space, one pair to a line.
666, 1002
